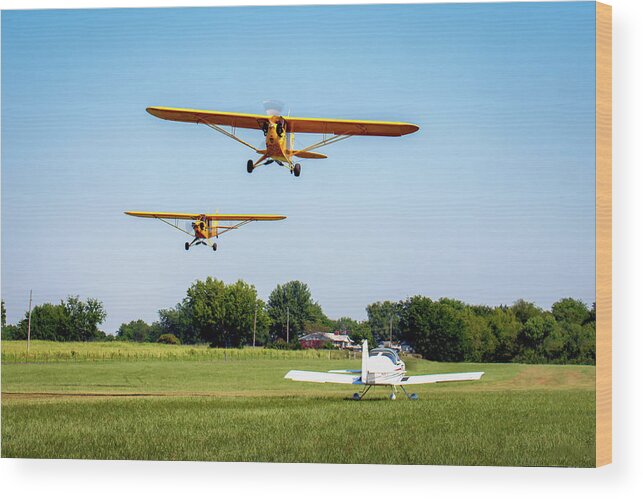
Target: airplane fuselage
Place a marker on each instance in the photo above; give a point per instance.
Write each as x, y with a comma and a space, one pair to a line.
204, 229
384, 368
276, 140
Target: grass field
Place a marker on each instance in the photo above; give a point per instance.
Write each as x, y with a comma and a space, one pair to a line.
167, 404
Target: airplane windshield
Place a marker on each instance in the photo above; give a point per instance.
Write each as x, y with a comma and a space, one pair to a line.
385, 352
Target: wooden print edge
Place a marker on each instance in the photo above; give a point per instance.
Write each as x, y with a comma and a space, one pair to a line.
603, 234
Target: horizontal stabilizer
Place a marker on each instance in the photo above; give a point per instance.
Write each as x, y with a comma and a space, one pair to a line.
440, 378
317, 377
346, 371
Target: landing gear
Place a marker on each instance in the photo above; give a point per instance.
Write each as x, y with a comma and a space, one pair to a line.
250, 166
297, 170
413, 396
214, 246
360, 396
392, 396
187, 246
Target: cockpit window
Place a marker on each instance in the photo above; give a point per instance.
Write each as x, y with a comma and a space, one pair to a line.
385, 352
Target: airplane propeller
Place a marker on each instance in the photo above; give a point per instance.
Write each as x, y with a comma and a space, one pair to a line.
273, 107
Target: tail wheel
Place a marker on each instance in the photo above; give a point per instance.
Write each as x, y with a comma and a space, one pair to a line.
250, 166
214, 246
187, 246
297, 169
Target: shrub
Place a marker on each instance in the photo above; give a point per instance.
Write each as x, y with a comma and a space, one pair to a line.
169, 339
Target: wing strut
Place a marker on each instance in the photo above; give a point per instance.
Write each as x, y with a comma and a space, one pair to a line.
243, 222
324, 142
174, 225
226, 133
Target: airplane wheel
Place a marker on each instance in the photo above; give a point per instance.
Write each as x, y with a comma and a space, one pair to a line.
356, 396
187, 246
414, 396
297, 169
251, 166
392, 396
214, 246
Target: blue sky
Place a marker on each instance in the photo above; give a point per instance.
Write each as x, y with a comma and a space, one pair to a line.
491, 201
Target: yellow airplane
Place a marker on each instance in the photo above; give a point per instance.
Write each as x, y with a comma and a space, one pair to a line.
205, 227
280, 132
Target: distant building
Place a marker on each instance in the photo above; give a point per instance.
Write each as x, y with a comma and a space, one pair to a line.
339, 339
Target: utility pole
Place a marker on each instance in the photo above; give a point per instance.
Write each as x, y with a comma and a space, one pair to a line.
287, 324
390, 330
254, 327
29, 323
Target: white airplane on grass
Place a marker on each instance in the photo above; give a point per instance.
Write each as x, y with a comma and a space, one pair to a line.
380, 366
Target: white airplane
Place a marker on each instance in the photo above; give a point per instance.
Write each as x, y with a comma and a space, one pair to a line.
380, 366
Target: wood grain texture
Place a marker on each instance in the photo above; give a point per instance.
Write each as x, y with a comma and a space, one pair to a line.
603, 234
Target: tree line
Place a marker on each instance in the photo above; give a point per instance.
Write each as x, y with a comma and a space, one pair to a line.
232, 315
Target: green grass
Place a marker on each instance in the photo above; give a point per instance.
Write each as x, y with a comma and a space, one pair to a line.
239, 410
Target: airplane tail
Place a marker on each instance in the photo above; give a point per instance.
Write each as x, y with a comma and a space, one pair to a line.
364, 361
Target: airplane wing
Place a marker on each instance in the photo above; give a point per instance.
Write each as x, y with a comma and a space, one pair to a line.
349, 127
317, 377
328, 126
235, 120
250, 217
440, 378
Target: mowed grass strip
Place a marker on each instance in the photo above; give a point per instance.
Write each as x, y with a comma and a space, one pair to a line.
265, 377
488, 428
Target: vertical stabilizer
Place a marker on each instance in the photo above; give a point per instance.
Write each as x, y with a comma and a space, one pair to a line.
364, 361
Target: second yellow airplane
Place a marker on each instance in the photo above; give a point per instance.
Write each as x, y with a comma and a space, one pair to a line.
279, 132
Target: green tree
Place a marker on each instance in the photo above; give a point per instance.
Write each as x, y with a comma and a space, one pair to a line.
344, 324
3, 322
505, 328
361, 331
434, 329
382, 318
291, 303
48, 322
480, 342
83, 318
137, 330
177, 321
11, 332
524, 310
540, 339
571, 310
70, 320
224, 315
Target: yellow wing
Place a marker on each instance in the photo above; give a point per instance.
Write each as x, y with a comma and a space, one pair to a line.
349, 127
197, 216
298, 125
236, 120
